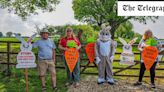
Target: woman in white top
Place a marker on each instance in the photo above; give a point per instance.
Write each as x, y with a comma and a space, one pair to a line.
147, 35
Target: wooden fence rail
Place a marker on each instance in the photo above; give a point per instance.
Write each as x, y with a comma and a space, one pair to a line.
83, 67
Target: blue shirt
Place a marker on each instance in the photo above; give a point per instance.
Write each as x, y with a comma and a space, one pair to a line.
45, 48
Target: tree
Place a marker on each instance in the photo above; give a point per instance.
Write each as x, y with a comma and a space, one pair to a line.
9, 34
19, 34
24, 8
102, 11
125, 30
1, 34
50, 29
87, 31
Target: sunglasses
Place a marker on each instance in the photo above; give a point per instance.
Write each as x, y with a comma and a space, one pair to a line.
69, 30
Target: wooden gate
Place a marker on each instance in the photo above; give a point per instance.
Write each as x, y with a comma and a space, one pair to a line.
118, 69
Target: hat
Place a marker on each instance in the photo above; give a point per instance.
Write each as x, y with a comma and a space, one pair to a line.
44, 30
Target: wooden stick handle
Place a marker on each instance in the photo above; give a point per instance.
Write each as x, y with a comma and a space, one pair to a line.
26, 75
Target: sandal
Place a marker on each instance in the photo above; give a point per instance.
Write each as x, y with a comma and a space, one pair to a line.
54, 88
153, 86
43, 88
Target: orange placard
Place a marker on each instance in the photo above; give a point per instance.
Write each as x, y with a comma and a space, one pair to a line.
149, 55
90, 52
71, 56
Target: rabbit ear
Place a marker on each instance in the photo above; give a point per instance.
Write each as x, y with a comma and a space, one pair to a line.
122, 41
19, 38
108, 28
133, 41
31, 38
103, 26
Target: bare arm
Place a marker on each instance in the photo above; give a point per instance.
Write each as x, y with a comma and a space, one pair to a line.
62, 48
76, 40
78, 47
54, 55
141, 45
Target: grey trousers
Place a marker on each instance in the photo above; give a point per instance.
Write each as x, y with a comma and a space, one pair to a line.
105, 68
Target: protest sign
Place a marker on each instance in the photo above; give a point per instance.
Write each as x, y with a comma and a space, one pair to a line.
90, 52
149, 56
71, 56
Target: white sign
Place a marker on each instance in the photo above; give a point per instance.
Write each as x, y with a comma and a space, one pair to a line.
127, 58
25, 58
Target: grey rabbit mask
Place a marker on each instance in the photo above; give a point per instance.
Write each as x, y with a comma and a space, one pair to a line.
105, 34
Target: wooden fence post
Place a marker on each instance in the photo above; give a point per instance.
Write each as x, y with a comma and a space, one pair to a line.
8, 59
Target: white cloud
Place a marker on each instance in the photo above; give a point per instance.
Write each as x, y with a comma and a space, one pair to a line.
10, 22
63, 15
157, 27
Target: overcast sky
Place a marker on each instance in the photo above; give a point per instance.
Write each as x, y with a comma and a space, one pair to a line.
63, 15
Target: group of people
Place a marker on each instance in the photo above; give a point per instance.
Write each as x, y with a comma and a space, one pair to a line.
104, 54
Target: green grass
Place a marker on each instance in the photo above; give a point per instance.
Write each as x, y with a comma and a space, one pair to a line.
17, 83
15, 39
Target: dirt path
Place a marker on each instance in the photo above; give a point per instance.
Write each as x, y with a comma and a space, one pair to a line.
89, 84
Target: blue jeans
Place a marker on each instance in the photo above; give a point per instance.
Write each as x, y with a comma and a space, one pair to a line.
75, 75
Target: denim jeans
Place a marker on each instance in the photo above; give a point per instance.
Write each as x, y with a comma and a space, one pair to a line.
75, 75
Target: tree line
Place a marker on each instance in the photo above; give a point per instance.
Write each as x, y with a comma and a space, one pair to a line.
8, 34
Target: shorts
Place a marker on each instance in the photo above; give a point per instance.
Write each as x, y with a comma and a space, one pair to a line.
43, 65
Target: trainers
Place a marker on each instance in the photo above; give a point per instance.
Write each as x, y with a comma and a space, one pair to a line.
153, 86
99, 83
111, 83
137, 83
76, 84
54, 88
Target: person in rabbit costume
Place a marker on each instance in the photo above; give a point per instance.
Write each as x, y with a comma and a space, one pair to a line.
46, 58
104, 52
127, 56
